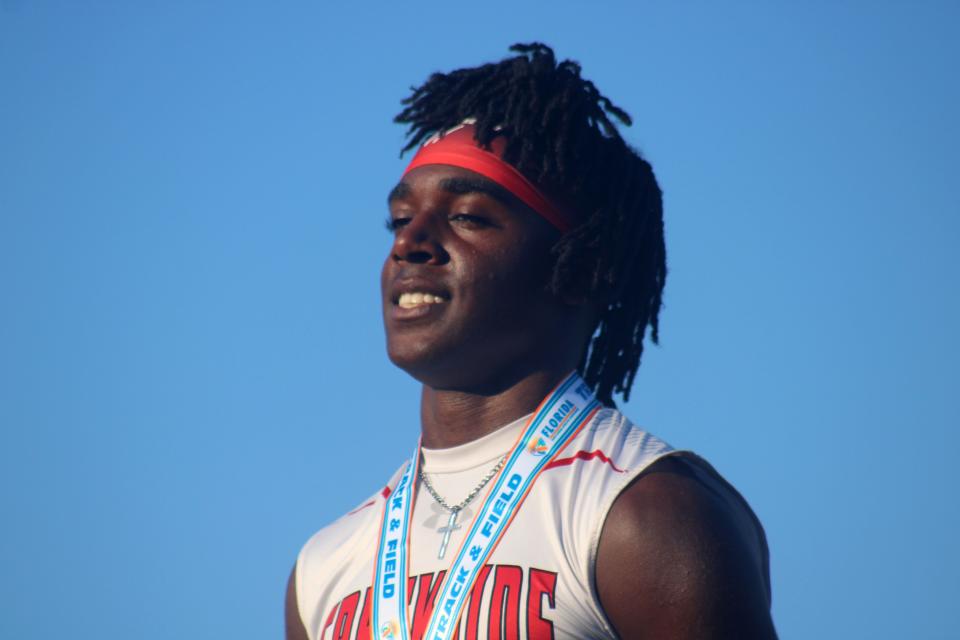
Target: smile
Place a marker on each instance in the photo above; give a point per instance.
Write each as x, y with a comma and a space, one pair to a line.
417, 298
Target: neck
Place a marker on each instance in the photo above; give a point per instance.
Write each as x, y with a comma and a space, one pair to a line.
453, 417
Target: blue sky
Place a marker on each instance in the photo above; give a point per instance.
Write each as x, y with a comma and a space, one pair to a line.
192, 376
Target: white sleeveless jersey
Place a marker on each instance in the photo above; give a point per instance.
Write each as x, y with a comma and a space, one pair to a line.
539, 581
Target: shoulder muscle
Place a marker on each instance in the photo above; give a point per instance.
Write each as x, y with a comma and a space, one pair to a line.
679, 558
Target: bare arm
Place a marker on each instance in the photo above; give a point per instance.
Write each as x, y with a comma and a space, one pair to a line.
295, 629
679, 560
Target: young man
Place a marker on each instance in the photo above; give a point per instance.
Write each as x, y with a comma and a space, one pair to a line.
528, 247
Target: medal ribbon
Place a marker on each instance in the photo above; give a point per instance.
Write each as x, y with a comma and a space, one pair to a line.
390, 579
558, 418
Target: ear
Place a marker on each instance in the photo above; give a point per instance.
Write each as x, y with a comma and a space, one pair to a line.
575, 298
584, 311
577, 290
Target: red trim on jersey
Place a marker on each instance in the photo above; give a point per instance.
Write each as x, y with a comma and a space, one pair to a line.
385, 493
361, 507
583, 455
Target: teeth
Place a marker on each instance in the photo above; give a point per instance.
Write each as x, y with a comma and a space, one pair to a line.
414, 299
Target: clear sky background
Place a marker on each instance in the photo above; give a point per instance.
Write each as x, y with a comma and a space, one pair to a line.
192, 372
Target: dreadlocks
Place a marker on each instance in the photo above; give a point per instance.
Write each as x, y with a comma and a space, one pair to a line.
561, 135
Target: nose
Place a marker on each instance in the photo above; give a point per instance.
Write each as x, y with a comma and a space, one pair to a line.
417, 242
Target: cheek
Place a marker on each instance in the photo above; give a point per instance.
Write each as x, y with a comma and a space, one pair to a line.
525, 270
506, 281
385, 275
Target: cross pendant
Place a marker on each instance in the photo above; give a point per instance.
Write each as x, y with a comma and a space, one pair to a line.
447, 530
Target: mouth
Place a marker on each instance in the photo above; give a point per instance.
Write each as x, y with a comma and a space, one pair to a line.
412, 299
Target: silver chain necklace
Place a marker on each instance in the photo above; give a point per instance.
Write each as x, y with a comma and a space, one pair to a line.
456, 509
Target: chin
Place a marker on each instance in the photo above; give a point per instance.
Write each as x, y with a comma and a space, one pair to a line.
432, 366
448, 368
416, 359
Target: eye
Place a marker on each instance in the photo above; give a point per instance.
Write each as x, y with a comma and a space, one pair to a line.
395, 224
470, 220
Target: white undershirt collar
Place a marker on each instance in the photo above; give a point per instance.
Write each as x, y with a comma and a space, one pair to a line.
480, 452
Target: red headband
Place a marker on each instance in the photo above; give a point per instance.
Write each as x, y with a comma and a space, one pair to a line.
459, 148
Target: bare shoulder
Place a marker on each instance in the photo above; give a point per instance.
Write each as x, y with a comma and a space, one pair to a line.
682, 556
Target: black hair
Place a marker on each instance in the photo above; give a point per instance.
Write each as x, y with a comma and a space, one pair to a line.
560, 133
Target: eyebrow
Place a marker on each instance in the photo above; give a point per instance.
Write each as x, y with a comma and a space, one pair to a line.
460, 185
464, 185
402, 190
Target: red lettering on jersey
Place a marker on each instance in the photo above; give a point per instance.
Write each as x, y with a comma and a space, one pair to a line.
363, 628
505, 603
411, 583
326, 625
541, 583
504, 606
426, 597
348, 610
473, 610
